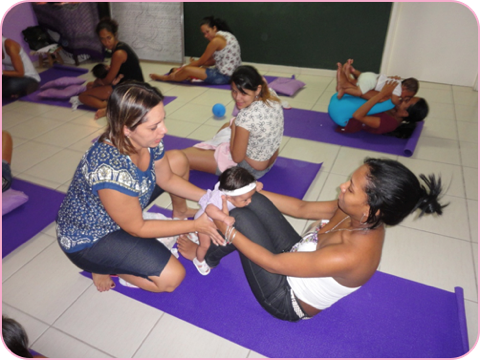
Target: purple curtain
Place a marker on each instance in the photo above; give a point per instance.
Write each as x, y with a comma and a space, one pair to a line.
75, 23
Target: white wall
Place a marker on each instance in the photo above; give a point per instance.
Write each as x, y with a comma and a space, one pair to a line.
435, 42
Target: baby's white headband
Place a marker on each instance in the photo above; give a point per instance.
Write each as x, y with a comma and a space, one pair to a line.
242, 190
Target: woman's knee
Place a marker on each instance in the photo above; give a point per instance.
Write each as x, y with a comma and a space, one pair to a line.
171, 276
178, 162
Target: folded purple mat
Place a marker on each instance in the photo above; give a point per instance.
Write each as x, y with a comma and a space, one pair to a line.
318, 126
388, 317
288, 177
56, 72
26, 221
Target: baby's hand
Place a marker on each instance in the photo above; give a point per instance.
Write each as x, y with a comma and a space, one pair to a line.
229, 220
259, 186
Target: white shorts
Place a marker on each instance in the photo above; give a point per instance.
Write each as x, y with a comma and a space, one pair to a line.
367, 81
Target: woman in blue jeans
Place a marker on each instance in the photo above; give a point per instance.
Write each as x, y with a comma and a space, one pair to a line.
218, 61
295, 277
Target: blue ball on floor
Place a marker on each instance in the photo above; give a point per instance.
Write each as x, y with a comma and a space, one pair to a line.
218, 110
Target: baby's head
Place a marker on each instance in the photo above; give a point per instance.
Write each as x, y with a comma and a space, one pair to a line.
100, 71
238, 185
409, 88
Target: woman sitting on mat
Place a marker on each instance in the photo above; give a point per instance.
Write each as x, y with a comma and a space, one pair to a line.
256, 132
223, 51
19, 77
402, 118
100, 225
295, 277
124, 65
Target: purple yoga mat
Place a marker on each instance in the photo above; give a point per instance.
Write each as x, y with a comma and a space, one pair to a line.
214, 86
26, 221
318, 126
288, 177
388, 317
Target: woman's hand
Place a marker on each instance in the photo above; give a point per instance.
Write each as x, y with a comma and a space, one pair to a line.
259, 186
205, 226
388, 88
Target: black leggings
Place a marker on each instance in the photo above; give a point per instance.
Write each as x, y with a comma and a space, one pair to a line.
263, 224
18, 86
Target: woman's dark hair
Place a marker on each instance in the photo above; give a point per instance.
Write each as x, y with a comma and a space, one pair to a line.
107, 24
394, 192
15, 337
416, 112
128, 106
246, 77
235, 178
219, 23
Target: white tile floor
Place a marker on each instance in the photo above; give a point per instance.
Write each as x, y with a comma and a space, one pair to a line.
66, 317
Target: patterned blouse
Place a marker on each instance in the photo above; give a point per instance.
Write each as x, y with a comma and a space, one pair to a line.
82, 219
264, 122
228, 59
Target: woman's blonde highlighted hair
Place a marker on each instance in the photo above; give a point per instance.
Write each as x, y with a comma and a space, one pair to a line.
128, 106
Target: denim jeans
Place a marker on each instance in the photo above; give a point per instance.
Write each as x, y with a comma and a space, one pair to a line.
263, 223
215, 77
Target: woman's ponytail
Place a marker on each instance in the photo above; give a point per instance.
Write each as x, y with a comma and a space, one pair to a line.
429, 201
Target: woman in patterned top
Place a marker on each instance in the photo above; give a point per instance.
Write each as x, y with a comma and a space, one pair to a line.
100, 225
257, 131
223, 51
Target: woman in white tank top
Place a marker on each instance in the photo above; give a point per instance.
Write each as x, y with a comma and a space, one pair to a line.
295, 278
19, 77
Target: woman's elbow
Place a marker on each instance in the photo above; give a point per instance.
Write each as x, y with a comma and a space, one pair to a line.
237, 158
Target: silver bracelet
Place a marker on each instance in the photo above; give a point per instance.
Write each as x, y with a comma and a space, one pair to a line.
228, 234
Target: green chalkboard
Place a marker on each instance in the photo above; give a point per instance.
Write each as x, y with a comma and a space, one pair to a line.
312, 35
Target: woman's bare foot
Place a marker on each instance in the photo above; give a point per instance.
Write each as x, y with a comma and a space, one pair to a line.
186, 247
103, 282
100, 113
159, 77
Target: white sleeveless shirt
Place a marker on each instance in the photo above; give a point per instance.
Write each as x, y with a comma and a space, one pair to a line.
321, 292
27, 63
228, 59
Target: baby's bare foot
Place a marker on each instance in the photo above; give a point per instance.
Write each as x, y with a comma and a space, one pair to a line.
100, 113
186, 247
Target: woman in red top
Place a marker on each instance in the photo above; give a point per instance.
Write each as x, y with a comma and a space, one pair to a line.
408, 111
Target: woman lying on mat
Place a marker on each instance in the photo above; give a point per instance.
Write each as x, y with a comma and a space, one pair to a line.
124, 65
295, 277
100, 225
402, 118
254, 135
223, 51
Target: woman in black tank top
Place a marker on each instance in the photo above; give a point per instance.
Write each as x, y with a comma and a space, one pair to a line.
123, 66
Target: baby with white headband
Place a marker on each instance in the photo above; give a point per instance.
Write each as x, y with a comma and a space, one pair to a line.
238, 185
